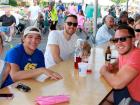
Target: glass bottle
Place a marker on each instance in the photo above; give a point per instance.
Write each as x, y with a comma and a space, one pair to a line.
108, 54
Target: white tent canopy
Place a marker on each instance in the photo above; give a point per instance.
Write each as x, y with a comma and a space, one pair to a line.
105, 2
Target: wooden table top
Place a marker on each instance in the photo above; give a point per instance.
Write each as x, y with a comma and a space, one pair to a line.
89, 90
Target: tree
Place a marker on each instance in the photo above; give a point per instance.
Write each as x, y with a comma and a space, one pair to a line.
43, 3
13, 2
119, 1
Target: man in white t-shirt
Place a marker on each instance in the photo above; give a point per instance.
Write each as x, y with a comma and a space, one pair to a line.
33, 12
17, 16
61, 44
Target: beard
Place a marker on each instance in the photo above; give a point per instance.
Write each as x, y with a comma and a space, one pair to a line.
69, 32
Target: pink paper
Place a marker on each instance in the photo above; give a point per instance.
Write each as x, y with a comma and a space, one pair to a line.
52, 100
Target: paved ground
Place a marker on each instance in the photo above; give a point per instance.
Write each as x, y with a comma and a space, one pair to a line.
17, 39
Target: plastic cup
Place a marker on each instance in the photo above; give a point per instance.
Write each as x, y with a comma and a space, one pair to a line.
82, 69
77, 60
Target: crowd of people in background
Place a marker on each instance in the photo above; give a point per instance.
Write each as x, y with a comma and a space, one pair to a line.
53, 15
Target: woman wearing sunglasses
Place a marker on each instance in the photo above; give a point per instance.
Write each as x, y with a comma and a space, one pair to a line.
137, 33
4, 67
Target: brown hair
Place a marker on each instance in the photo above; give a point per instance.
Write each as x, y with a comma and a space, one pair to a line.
71, 15
128, 28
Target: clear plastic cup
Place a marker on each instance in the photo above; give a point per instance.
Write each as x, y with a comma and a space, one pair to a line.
82, 67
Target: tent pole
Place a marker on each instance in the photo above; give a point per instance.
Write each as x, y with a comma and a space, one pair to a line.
127, 5
95, 19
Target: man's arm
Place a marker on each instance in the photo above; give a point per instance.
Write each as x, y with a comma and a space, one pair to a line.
55, 51
13, 24
120, 79
17, 74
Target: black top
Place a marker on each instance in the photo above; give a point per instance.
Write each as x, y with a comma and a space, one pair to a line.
7, 21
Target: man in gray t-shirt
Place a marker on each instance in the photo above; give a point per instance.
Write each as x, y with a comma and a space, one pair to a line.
61, 44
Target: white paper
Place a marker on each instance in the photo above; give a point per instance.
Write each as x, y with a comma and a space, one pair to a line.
42, 78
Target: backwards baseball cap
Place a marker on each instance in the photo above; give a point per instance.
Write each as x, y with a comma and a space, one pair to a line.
31, 30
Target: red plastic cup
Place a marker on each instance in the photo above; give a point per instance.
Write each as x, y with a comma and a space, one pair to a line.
77, 60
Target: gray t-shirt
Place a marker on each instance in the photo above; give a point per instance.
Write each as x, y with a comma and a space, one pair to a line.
66, 46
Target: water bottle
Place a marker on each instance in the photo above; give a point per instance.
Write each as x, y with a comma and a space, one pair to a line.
77, 53
90, 61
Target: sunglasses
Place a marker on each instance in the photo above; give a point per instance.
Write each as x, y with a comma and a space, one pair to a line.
70, 24
137, 30
121, 39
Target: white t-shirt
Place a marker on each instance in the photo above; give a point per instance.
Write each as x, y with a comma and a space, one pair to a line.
34, 12
2, 65
66, 46
17, 17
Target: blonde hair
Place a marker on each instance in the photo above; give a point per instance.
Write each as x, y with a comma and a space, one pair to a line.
137, 22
